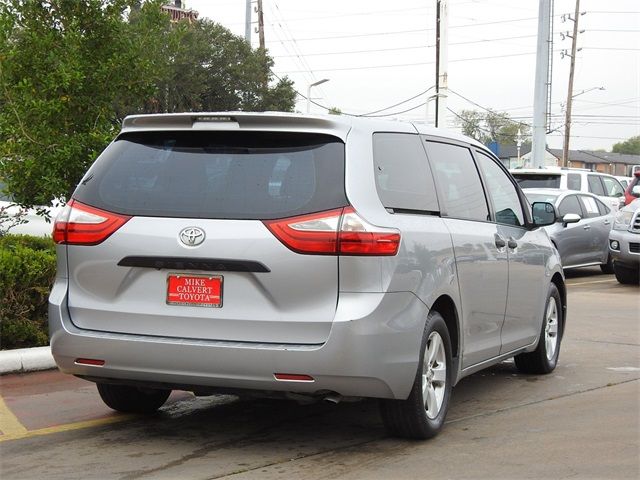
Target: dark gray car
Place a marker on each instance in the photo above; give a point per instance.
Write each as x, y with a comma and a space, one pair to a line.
582, 231
317, 257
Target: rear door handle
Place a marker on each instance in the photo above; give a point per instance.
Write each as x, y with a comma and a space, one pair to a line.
512, 243
607, 222
587, 227
500, 242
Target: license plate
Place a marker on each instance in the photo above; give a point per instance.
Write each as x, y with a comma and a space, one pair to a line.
194, 290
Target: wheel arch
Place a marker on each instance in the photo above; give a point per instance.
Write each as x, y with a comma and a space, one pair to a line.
445, 305
558, 281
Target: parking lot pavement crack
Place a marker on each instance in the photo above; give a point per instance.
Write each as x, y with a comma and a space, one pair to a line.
458, 420
299, 457
207, 448
536, 402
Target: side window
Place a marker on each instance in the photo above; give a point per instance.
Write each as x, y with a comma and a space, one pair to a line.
403, 176
595, 185
604, 210
458, 180
502, 192
611, 187
574, 181
570, 204
590, 206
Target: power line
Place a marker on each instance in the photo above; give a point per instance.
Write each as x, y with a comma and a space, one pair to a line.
613, 48
414, 64
486, 109
397, 104
397, 113
419, 30
408, 48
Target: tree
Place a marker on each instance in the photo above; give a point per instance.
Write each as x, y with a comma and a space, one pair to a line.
334, 111
630, 146
65, 66
70, 70
492, 126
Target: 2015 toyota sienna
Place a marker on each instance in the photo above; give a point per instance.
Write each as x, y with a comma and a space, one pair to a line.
323, 256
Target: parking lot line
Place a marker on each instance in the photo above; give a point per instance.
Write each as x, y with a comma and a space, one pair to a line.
611, 280
9, 424
18, 433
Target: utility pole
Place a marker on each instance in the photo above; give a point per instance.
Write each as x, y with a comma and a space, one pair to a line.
539, 141
247, 22
260, 25
442, 34
567, 119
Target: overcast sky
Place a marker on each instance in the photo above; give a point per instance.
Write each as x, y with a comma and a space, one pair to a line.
377, 53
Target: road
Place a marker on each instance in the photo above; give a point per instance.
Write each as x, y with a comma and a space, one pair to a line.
582, 421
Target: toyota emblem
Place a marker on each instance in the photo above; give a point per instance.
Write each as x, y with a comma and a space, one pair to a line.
191, 236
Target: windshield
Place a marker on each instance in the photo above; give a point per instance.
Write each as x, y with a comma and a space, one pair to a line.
541, 197
537, 180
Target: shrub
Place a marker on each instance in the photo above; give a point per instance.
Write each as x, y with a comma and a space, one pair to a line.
27, 271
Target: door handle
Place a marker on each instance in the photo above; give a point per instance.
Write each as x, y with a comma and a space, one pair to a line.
587, 227
512, 243
500, 242
607, 222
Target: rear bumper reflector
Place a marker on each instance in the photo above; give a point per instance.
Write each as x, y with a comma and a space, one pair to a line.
89, 361
292, 377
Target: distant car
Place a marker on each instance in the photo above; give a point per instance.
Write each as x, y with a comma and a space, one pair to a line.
606, 187
624, 243
624, 181
33, 223
582, 231
633, 189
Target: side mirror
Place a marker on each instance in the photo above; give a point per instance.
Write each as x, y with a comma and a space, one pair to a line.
570, 218
635, 191
544, 214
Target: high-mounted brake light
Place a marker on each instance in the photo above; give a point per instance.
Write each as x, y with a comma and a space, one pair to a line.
79, 224
335, 232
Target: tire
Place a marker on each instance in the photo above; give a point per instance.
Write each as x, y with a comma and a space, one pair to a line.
422, 414
626, 275
607, 267
545, 357
128, 399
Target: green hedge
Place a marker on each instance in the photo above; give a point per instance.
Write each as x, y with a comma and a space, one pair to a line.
27, 271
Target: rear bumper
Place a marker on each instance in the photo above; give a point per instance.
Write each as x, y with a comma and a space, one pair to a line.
372, 351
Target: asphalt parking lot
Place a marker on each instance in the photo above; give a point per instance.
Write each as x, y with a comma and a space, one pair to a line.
582, 421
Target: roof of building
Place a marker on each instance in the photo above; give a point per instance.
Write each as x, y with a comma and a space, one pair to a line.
590, 156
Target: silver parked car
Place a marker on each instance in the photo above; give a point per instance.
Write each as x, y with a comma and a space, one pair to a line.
328, 257
581, 233
624, 242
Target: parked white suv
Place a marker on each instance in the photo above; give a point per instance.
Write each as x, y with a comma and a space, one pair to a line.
607, 187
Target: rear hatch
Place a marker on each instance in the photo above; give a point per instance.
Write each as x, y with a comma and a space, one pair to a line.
193, 257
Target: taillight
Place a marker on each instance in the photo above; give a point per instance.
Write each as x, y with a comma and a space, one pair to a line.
335, 232
79, 224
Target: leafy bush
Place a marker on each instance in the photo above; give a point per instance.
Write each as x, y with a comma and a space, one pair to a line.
27, 271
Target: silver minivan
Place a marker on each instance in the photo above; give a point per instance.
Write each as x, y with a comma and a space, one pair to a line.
329, 257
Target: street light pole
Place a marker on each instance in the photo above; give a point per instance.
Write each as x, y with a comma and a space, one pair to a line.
309, 92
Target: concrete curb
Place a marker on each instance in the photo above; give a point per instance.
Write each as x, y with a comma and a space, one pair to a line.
26, 360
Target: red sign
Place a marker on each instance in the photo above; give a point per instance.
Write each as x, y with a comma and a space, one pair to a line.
194, 290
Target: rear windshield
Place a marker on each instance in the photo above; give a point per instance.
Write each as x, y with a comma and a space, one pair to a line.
527, 180
227, 175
